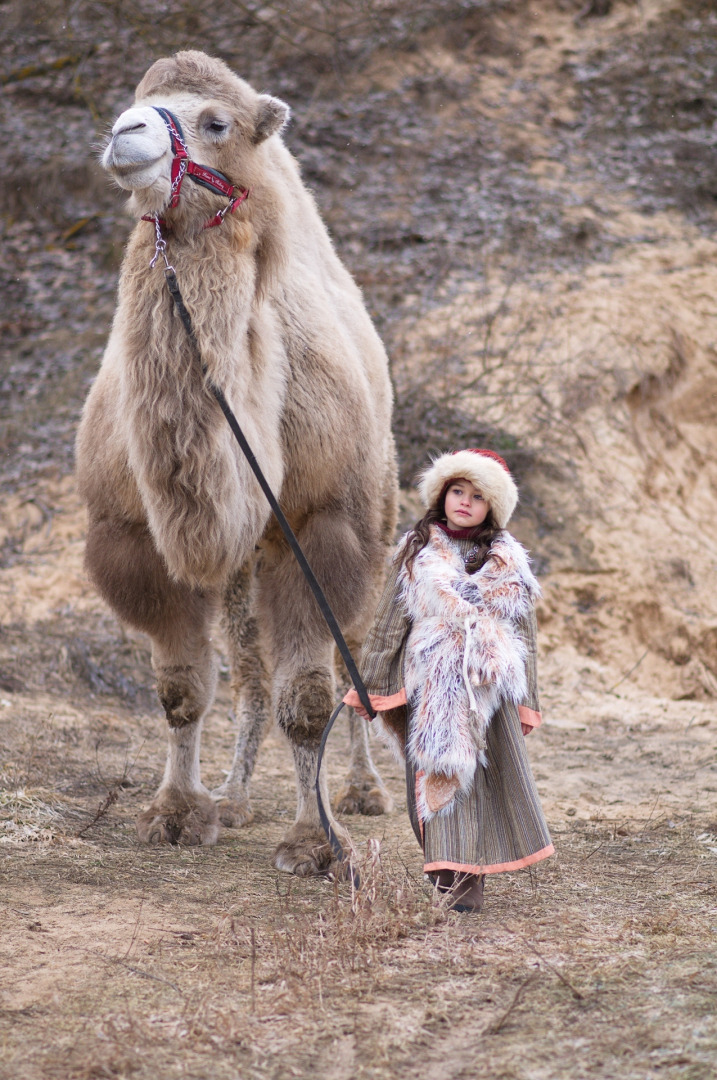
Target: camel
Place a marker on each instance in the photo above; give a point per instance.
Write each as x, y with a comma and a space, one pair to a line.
179, 531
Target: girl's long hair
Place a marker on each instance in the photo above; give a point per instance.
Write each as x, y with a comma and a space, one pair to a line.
482, 535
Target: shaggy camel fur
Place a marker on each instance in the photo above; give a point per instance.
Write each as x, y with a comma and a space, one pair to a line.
178, 526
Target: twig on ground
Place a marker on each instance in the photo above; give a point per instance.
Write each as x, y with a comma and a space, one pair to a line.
494, 1029
623, 677
113, 792
135, 930
649, 817
166, 930
112, 797
73, 230
573, 990
129, 967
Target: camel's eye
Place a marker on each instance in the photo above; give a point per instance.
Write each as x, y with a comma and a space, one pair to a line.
215, 127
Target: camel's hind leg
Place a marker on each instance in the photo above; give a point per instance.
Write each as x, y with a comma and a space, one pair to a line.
132, 577
363, 790
251, 698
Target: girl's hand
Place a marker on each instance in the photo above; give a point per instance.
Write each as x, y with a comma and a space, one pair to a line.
526, 728
362, 712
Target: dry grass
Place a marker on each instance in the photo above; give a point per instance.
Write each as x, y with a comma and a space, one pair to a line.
27, 815
122, 961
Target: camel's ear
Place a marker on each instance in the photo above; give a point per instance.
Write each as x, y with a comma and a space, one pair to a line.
271, 116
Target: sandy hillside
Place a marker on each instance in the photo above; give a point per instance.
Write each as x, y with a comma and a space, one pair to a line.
526, 193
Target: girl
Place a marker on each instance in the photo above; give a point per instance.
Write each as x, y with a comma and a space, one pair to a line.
450, 666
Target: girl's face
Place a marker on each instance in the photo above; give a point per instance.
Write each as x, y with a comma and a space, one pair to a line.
465, 507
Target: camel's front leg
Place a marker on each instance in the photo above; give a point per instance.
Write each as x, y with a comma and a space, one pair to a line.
301, 650
183, 811
130, 574
304, 702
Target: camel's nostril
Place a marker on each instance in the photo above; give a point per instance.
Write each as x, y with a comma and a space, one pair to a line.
131, 129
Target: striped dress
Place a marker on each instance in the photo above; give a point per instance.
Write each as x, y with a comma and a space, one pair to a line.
498, 824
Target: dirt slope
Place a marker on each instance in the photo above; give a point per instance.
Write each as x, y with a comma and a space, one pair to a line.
526, 193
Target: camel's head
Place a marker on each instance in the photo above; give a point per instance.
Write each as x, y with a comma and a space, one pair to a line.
224, 122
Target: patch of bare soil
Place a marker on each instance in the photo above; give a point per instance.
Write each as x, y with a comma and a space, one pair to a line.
121, 960
526, 193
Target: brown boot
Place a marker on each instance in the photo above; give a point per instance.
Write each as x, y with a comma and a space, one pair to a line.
443, 880
467, 892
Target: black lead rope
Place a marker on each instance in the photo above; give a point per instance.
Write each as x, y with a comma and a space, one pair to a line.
303, 562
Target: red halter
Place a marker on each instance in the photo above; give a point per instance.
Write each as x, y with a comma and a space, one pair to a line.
201, 174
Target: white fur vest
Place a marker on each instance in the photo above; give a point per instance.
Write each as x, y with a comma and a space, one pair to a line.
464, 654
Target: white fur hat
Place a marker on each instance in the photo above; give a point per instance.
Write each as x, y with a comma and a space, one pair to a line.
484, 468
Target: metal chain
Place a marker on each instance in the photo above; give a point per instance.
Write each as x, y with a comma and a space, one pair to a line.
160, 246
178, 178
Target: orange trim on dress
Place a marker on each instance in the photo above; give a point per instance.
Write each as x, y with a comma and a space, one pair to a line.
494, 868
420, 773
379, 702
529, 716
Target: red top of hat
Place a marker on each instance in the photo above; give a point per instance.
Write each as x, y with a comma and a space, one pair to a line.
486, 453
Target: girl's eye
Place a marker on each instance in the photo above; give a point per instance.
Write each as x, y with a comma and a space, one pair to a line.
478, 497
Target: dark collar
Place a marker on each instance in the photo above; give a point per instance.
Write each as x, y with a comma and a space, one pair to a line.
455, 534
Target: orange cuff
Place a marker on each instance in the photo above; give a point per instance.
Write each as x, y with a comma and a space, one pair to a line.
378, 701
529, 716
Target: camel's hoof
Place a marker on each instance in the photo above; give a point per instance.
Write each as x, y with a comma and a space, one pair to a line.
369, 799
174, 819
304, 851
233, 813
